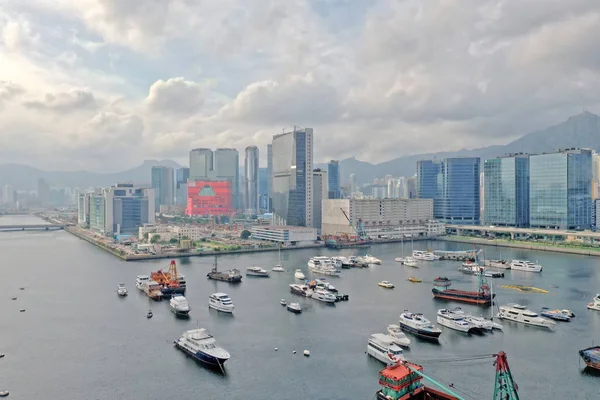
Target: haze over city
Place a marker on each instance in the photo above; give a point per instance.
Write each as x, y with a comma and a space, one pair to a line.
103, 84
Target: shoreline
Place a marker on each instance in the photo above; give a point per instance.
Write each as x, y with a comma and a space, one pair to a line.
521, 245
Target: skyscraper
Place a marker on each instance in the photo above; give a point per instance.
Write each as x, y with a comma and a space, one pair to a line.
453, 184
353, 184
44, 193
333, 179
270, 177
181, 177
162, 183
201, 163
292, 177
227, 168
506, 191
251, 181
560, 189
320, 192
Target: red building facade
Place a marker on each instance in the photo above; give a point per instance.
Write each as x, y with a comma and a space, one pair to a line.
209, 198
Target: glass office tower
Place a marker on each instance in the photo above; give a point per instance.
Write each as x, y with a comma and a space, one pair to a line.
506, 188
460, 192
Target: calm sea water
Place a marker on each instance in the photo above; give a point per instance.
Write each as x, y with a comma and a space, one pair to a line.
78, 340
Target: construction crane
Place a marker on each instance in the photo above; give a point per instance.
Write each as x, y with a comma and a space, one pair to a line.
360, 231
505, 388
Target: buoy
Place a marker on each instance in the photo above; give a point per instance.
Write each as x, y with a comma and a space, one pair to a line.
276, 349
22, 310
306, 353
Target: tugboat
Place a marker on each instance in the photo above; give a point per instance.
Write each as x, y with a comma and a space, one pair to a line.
231, 276
171, 283
481, 297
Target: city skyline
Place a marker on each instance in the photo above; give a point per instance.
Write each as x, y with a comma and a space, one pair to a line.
127, 86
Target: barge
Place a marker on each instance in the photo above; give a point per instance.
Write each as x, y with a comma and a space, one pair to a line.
482, 297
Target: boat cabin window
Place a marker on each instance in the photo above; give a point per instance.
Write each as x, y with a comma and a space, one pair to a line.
530, 314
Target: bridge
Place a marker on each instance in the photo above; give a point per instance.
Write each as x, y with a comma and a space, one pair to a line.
520, 232
40, 227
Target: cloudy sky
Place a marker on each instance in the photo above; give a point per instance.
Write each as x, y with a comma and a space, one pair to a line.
105, 84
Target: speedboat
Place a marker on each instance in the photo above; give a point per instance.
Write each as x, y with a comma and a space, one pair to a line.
299, 274
256, 271
278, 268
121, 289
519, 313
455, 321
383, 348
414, 280
519, 265
295, 308
149, 315
595, 304
410, 262
386, 284
557, 315
283, 302
372, 260
591, 357
220, 302
140, 280
302, 290
179, 305
321, 283
399, 259
201, 345
419, 325
399, 337
324, 295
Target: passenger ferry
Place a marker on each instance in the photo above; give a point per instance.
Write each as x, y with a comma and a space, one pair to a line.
382, 347
201, 345
140, 280
519, 265
220, 302
419, 325
519, 313
323, 265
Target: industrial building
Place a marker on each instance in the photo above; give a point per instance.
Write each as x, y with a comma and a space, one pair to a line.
286, 235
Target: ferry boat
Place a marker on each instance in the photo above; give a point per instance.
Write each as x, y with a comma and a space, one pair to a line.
140, 280
152, 290
456, 321
179, 305
302, 290
398, 336
231, 276
595, 304
220, 302
201, 345
481, 297
299, 274
502, 264
323, 265
519, 313
256, 271
519, 265
383, 348
121, 290
419, 325
324, 296
591, 357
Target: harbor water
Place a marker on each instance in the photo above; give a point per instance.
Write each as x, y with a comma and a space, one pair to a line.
78, 340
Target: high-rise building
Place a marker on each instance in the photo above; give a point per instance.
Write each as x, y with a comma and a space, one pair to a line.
292, 177
162, 183
453, 184
44, 193
411, 187
320, 193
263, 189
595, 175
181, 177
333, 179
353, 184
9, 196
227, 168
269, 206
252, 180
560, 189
506, 191
201, 163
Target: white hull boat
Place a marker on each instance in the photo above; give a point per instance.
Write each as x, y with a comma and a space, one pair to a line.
199, 344
324, 296
398, 335
140, 280
258, 272
179, 305
410, 262
382, 347
299, 274
455, 321
220, 302
595, 304
518, 313
278, 268
518, 265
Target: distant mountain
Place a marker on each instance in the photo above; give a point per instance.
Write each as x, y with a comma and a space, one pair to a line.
23, 177
582, 130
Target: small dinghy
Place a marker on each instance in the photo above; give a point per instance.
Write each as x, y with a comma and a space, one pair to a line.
306, 353
149, 315
283, 302
14, 298
4, 393
22, 310
2, 355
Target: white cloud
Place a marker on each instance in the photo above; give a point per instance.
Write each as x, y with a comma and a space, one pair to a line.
176, 95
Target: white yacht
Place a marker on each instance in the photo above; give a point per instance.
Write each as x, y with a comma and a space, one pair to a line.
299, 274
410, 262
201, 345
140, 280
399, 337
179, 305
455, 321
278, 268
519, 313
323, 265
382, 348
419, 325
324, 295
294, 307
121, 290
372, 260
256, 271
595, 304
323, 284
302, 290
423, 255
346, 262
220, 302
399, 259
480, 322
519, 265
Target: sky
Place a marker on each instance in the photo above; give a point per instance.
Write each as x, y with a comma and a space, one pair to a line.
105, 84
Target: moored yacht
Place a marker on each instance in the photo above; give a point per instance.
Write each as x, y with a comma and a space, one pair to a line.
595, 304
398, 336
256, 271
479, 322
455, 321
299, 274
519, 313
278, 268
140, 280
220, 302
294, 307
323, 265
372, 260
201, 345
302, 290
410, 262
470, 268
323, 295
529, 266
121, 290
383, 348
423, 255
503, 264
323, 284
419, 325
179, 305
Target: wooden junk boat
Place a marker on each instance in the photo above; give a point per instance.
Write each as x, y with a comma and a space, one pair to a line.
171, 282
482, 297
